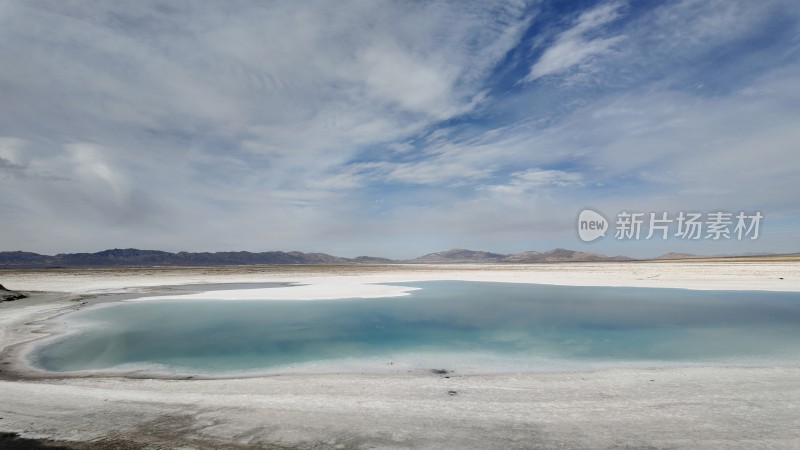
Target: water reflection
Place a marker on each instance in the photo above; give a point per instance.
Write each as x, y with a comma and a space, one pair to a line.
516, 323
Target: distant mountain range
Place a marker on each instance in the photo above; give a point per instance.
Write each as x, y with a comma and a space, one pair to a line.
675, 255
135, 257
558, 255
132, 257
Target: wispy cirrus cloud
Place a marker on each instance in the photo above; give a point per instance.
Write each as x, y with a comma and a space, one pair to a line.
575, 48
388, 128
534, 179
173, 114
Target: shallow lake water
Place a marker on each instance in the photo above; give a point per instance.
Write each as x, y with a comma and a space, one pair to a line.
457, 325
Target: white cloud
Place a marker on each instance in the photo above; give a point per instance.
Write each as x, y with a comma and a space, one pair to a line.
88, 163
133, 123
401, 147
533, 179
414, 84
128, 110
327, 73
670, 149
442, 171
11, 150
572, 48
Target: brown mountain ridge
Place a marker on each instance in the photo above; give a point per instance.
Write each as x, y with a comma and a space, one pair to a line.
460, 255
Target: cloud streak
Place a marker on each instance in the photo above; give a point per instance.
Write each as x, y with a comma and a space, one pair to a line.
573, 49
387, 128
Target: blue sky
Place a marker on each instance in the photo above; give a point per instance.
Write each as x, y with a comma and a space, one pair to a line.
393, 128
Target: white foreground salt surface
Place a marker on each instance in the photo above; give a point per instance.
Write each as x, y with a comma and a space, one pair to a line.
706, 407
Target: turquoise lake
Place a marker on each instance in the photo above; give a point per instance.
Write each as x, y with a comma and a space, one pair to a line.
453, 325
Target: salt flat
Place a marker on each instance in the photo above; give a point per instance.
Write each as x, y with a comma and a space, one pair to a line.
709, 407
771, 276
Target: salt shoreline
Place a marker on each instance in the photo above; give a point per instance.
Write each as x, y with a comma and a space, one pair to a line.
739, 407
769, 276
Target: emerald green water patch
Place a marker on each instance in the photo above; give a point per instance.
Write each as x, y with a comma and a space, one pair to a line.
465, 325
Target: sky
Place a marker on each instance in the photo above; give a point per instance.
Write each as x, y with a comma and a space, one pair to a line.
394, 128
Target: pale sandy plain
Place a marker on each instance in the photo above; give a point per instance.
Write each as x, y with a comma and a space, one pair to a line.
698, 407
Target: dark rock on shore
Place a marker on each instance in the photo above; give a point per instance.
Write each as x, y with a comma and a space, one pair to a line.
12, 297
12, 441
9, 296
